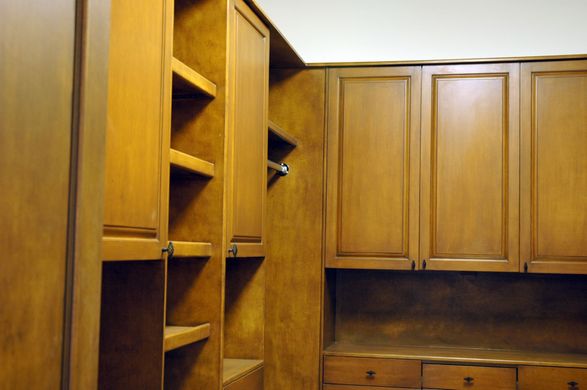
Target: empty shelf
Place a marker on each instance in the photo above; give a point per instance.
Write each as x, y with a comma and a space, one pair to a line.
184, 249
192, 164
180, 336
281, 135
235, 369
187, 81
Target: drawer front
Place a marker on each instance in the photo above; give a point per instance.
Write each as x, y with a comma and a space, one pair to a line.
439, 376
252, 381
352, 387
552, 378
372, 372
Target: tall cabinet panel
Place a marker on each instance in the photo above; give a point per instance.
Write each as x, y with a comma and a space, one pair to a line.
373, 168
247, 153
554, 166
470, 168
137, 139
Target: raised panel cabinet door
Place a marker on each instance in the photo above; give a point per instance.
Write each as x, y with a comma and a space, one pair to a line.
554, 167
470, 168
137, 138
373, 144
247, 138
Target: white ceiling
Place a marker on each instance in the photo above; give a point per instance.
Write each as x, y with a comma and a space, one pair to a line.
400, 30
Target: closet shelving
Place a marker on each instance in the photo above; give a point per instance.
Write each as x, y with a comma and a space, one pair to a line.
278, 134
187, 82
185, 162
180, 336
186, 249
234, 369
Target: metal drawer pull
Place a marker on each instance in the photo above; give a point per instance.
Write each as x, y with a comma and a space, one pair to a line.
469, 380
370, 374
573, 385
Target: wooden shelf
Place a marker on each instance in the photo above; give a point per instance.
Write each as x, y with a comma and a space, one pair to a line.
462, 355
185, 249
234, 369
187, 82
191, 164
180, 336
281, 135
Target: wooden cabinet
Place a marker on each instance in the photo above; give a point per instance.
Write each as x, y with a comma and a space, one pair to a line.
371, 371
247, 137
554, 167
551, 378
373, 168
137, 137
440, 376
470, 168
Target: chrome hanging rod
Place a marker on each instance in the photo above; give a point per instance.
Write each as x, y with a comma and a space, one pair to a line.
281, 168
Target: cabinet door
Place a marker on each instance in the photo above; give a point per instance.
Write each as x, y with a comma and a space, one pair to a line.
137, 139
373, 168
470, 161
247, 138
554, 167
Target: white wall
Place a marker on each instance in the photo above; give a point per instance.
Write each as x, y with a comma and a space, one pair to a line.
390, 30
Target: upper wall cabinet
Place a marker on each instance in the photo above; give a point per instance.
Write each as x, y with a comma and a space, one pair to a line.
137, 138
373, 168
554, 167
470, 168
247, 135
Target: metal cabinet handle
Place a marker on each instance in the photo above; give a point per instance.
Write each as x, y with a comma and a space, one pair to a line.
469, 380
233, 249
170, 250
573, 385
370, 374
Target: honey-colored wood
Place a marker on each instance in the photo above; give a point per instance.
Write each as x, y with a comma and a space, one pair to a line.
281, 135
191, 164
372, 372
373, 168
187, 81
470, 168
554, 162
294, 224
440, 376
131, 331
137, 139
235, 369
180, 336
458, 355
183, 249
247, 131
252, 381
548, 378
345, 387
196, 209
38, 48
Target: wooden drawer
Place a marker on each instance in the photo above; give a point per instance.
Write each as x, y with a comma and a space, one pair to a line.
252, 381
372, 372
439, 376
552, 378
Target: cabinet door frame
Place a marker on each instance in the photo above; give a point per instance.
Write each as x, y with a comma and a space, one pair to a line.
139, 243
247, 246
333, 258
511, 261
529, 262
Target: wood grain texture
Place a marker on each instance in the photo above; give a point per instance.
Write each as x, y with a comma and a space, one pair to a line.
247, 131
440, 376
235, 369
373, 168
470, 168
345, 387
475, 310
36, 73
384, 372
137, 139
131, 331
547, 378
195, 286
250, 381
554, 186
294, 233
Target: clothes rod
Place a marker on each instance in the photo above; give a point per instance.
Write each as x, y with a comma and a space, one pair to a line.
282, 169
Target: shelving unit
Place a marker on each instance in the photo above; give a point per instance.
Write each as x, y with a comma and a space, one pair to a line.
235, 369
185, 249
187, 82
180, 336
276, 133
184, 161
